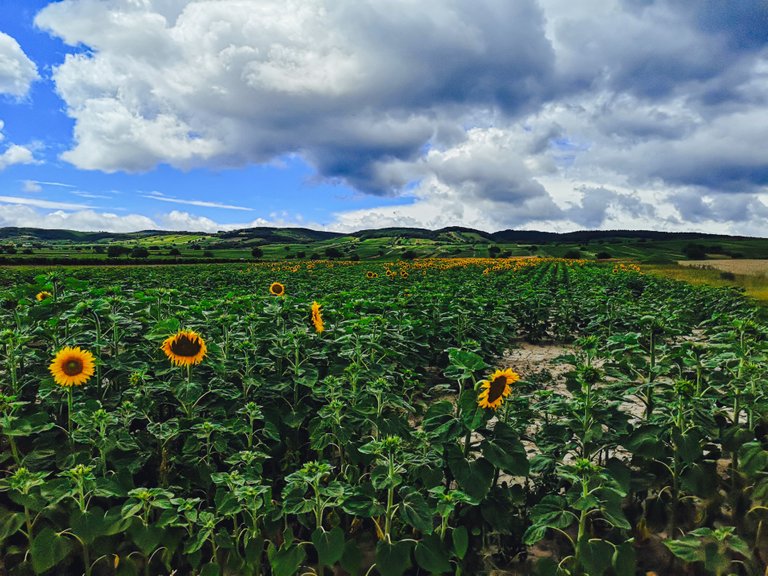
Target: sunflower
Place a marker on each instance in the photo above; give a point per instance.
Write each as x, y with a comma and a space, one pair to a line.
370, 275
40, 296
277, 289
494, 391
317, 318
185, 348
72, 367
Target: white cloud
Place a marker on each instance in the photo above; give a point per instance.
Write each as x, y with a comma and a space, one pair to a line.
31, 186
203, 203
16, 154
41, 203
17, 71
533, 113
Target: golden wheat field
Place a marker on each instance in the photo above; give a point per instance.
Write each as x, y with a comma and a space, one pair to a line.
744, 267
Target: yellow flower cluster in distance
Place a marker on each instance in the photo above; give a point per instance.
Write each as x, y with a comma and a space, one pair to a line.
494, 391
40, 296
72, 366
621, 267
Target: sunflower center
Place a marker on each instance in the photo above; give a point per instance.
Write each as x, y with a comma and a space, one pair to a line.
186, 346
496, 389
73, 367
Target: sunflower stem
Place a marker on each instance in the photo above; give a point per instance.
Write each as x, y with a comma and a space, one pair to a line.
69, 412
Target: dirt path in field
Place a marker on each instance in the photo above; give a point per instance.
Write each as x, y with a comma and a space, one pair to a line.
531, 359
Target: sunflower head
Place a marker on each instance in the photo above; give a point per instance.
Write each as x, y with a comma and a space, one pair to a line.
277, 289
494, 390
185, 348
40, 296
72, 367
317, 318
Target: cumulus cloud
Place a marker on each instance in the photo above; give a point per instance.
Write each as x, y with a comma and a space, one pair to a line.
534, 113
17, 71
236, 81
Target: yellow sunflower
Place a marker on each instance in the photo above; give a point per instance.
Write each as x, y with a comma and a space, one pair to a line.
317, 318
40, 296
277, 289
494, 391
185, 348
370, 275
72, 367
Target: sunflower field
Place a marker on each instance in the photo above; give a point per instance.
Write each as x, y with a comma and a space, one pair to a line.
334, 418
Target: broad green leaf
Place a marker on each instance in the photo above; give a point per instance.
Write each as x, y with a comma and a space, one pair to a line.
460, 539
393, 559
432, 556
10, 522
415, 511
286, 560
329, 545
48, 549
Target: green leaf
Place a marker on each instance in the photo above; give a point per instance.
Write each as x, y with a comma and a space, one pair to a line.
462, 364
753, 459
472, 416
210, 569
48, 549
432, 556
624, 560
148, 538
595, 556
10, 522
286, 560
329, 545
88, 525
687, 548
393, 559
352, 557
474, 478
161, 330
507, 455
460, 539
415, 511
363, 502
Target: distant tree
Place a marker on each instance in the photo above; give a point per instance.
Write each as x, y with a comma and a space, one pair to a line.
139, 252
694, 251
115, 251
493, 251
408, 255
315, 256
257, 252
174, 252
301, 254
28, 251
355, 257
207, 253
603, 256
196, 247
332, 252
10, 249
572, 254
532, 248
154, 247
99, 249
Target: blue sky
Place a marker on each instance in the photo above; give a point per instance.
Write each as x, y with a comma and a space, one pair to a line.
349, 114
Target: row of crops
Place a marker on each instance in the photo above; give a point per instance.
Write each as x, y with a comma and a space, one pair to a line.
339, 418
